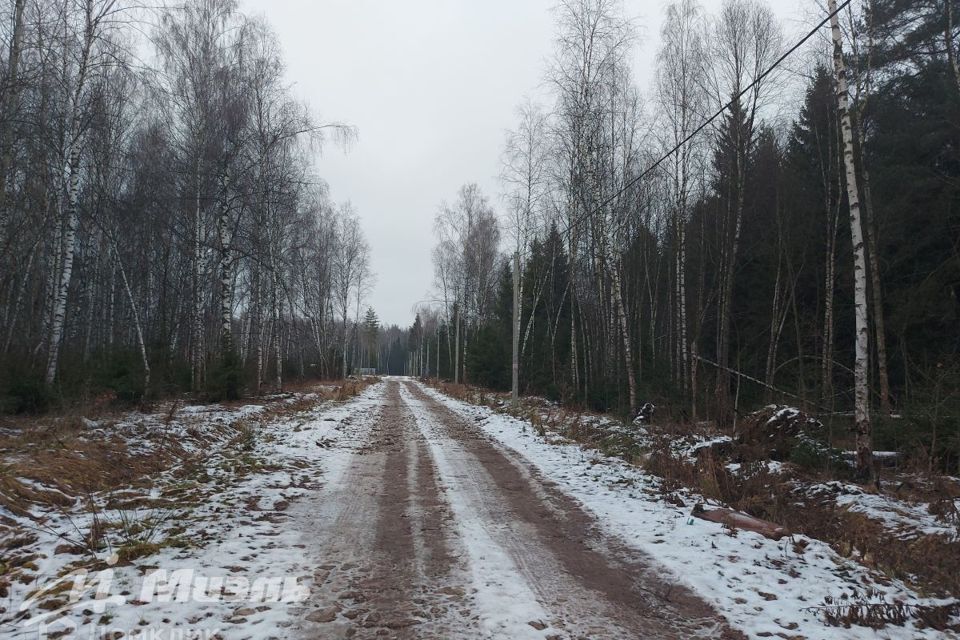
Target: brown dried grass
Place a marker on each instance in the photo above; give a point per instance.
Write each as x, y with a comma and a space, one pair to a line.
930, 563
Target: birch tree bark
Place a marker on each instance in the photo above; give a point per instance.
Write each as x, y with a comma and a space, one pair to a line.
226, 290
77, 124
862, 426
624, 326
196, 332
862, 93
71, 223
136, 323
680, 92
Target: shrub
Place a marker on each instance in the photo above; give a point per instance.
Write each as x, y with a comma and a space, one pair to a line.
226, 379
25, 394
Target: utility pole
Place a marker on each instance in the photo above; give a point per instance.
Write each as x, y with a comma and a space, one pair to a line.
515, 389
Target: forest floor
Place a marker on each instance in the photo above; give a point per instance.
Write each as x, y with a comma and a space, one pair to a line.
391, 509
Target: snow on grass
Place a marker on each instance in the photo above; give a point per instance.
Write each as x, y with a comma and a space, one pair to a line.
763, 587
689, 450
907, 520
220, 529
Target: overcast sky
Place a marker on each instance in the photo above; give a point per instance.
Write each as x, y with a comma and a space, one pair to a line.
432, 86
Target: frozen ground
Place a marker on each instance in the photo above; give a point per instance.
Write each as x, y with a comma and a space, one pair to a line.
405, 513
765, 588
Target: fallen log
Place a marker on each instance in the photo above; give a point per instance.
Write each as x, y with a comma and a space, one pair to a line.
739, 520
884, 459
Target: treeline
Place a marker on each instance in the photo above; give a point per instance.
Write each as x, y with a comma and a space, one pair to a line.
162, 226
724, 277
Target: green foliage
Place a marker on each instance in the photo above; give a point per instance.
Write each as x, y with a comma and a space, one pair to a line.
490, 350
225, 380
488, 359
120, 373
814, 455
544, 365
22, 392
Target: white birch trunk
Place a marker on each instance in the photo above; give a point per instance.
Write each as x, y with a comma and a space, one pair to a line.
196, 345
69, 242
226, 291
682, 298
278, 330
136, 324
862, 365
625, 336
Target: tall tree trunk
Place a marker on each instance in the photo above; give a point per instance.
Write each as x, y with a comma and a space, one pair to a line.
829, 285
463, 360
111, 307
196, 343
948, 42
625, 336
89, 294
876, 292
226, 290
775, 327
136, 323
72, 222
256, 325
862, 365
19, 300
682, 337
346, 339
456, 348
10, 100
724, 409
277, 328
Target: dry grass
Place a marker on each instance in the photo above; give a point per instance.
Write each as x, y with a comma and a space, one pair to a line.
52, 460
458, 391
931, 563
58, 465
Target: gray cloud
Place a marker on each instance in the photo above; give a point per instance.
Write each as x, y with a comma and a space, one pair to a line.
432, 85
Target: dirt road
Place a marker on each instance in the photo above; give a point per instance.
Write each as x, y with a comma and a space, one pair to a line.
431, 530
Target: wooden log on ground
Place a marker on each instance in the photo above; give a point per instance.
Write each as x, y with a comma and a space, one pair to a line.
739, 520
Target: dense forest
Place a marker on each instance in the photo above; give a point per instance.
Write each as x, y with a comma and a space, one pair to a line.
711, 269
162, 227
750, 227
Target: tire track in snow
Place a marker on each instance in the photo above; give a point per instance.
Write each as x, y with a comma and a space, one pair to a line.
504, 601
590, 583
384, 564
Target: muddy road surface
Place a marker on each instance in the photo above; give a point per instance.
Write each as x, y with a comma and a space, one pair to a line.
429, 529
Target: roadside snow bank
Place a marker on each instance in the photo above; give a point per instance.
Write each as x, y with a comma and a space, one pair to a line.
765, 588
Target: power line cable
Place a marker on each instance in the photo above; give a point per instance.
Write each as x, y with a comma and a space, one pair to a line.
703, 125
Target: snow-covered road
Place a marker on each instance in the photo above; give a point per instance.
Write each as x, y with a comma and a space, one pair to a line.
435, 531
403, 513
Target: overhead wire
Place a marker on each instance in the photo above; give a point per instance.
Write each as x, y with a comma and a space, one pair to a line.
650, 169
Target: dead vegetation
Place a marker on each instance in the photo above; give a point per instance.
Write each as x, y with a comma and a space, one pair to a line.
765, 470
930, 563
118, 484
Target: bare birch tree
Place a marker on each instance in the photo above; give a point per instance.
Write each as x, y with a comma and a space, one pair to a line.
861, 312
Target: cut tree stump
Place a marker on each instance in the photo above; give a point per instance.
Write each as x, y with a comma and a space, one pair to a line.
739, 520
